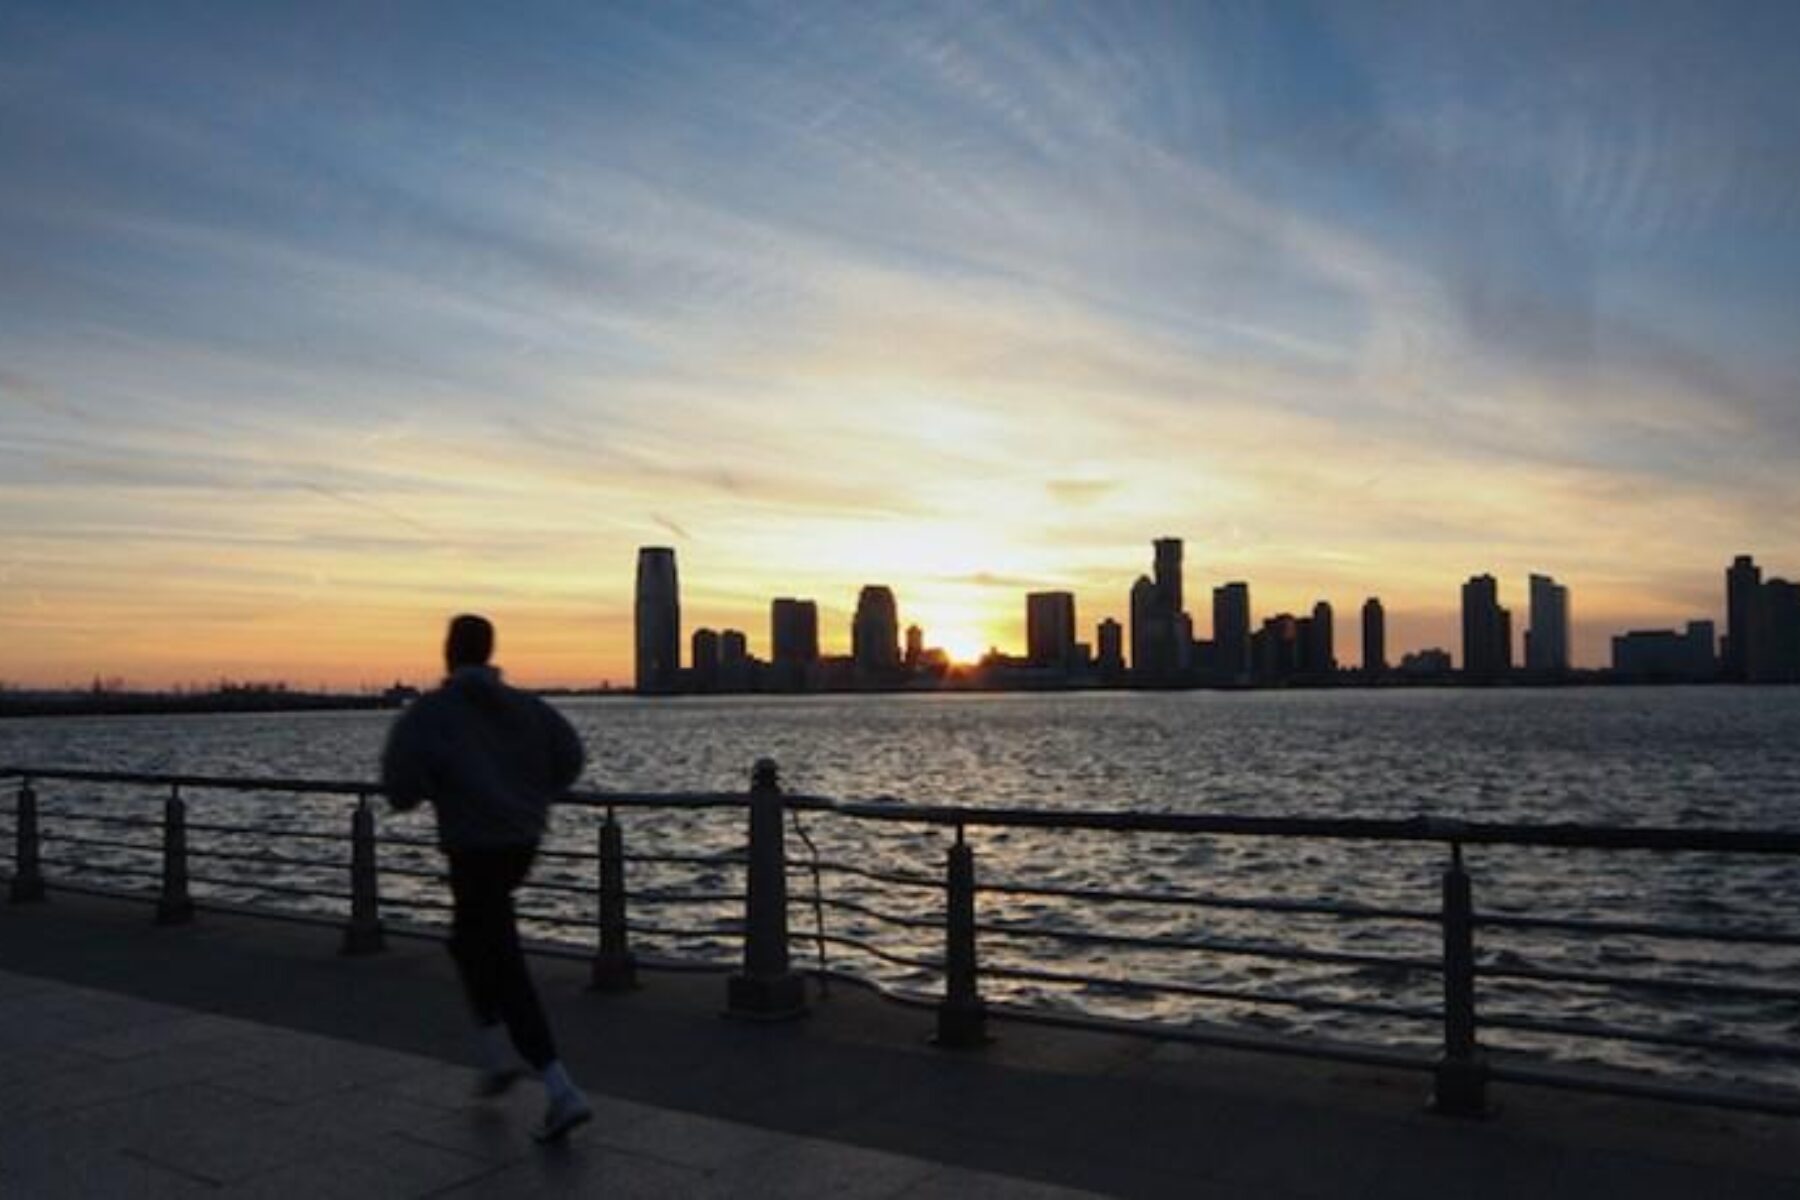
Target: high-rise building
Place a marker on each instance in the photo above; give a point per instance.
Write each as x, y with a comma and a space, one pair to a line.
915, 647
1168, 574
1664, 656
1276, 648
1374, 638
793, 631
1147, 629
1743, 586
1321, 644
1231, 633
734, 660
657, 616
1487, 630
1547, 640
1162, 634
704, 657
1109, 636
1703, 649
875, 634
1050, 629
1775, 634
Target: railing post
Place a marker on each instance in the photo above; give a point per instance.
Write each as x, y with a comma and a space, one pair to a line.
363, 934
615, 967
766, 990
28, 875
1461, 1078
962, 1017
174, 906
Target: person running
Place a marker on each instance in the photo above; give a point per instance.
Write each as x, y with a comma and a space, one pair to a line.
490, 759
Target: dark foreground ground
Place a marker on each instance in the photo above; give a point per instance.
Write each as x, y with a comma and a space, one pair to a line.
244, 1056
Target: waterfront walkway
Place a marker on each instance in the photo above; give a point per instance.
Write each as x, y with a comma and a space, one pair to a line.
245, 1056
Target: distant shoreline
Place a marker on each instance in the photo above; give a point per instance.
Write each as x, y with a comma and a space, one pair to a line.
125, 704
157, 704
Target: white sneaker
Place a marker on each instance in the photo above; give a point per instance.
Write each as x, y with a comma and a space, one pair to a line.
564, 1113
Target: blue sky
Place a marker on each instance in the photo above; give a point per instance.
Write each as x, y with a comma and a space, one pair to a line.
319, 322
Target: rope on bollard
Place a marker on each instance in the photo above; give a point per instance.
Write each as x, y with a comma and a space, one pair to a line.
818, 903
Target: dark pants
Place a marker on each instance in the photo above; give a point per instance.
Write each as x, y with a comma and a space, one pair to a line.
484, 941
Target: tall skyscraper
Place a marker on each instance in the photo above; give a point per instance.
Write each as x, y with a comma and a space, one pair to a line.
875, 633
1374, 638
1743, 584
1547, 639
1050, 629
1146, 628
1775, 633
1231, 633
657, 616
1321, 644
1487, 630
1168, 575
1162, 634
793, 632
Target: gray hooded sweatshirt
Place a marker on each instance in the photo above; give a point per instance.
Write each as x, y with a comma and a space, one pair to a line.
489, 757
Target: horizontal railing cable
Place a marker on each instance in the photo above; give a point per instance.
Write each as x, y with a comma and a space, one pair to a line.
654, 897
695, 860
266, 858
64, 839
896, 878
653, 929
97, 868
1695, 987
1205, 992
416, 872
112, 819
263, 885
863, 910
1324, 908
1567, 835
1220, 946
426, 902
1749, 937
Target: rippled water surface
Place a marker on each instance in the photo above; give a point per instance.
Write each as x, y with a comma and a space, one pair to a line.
1686, 757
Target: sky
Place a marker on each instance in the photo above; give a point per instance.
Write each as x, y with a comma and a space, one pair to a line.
320, 323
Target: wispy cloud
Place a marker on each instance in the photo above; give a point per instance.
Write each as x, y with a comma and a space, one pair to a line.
1356, 299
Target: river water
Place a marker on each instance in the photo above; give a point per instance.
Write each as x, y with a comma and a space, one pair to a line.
1719, 757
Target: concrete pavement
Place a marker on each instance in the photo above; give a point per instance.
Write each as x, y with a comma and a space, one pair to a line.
244, 1056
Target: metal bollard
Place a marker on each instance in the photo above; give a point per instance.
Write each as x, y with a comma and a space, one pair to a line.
1460, 1081
28, 876
615, 967
962, 1017
174, 906
766, 990
363, 933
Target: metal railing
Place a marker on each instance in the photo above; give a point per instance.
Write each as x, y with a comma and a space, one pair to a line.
960, 911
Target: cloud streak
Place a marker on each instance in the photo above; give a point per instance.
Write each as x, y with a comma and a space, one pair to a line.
1357, 300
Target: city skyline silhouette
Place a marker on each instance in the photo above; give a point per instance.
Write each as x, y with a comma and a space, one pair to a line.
1168, 648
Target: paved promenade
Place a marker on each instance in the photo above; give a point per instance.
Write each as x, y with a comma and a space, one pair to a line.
244, 1057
